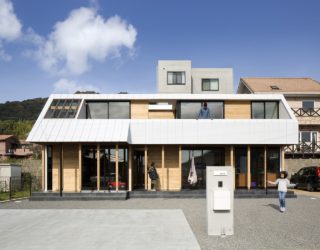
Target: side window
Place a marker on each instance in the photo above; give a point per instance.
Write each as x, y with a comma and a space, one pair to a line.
307, 105
306, 171
300, 172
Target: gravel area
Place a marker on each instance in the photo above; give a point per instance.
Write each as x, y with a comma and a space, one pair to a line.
258, 222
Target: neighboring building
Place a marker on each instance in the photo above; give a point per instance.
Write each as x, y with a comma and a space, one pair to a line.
106, 141
12, 147
180, 77
303, 96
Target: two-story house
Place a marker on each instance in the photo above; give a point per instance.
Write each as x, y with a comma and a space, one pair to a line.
101, 142
303, 96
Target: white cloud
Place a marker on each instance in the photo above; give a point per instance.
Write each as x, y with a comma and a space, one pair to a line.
65, 86
82, 37
10, 27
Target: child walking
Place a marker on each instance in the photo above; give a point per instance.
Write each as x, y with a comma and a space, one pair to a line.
283, 185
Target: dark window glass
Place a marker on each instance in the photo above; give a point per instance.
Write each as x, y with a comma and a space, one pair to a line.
210, 84
305, 136
63, 108
273, 163
119, 110
89, 168
49, 167
272, 110
307, 105
176, 78
257, 110
97, 110
190, 110
257, 167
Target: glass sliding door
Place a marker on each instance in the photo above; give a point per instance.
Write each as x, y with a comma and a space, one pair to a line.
89, 167
273, 163
202, 159
257, 167
49, 168
241, 167
123, 169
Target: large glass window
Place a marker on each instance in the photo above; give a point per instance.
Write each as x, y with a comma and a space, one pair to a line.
257, 167
178, 78
63, 108
265, 110
108, 110
49, 167
119, 110
202, 159
89, 168
190, 110
210, 84
241, 167
97, 110
273, 163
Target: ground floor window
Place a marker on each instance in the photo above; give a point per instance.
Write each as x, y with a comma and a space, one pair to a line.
257, 167
49, 168
273, 163
89, 167
202, 159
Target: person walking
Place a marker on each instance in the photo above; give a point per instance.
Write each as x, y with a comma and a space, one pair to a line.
204, 112
283, 185
153, 176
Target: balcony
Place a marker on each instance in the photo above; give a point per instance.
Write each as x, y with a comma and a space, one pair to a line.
301, 112
303, 149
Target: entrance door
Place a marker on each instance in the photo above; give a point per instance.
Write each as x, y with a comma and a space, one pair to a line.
138, 170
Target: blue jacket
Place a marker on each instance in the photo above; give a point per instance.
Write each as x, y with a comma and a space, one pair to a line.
204, 113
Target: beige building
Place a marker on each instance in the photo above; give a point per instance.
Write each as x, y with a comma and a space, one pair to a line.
303, 96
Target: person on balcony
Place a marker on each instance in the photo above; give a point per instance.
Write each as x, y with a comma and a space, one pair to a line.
204, 112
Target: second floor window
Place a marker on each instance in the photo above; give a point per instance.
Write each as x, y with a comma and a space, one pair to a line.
265, 110
210, 84
107, 110
308, 105
191, 110
176, 78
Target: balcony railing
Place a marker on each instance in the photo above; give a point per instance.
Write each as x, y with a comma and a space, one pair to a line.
304, 148
306, 112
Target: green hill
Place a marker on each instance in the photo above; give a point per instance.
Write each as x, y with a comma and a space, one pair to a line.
24, 110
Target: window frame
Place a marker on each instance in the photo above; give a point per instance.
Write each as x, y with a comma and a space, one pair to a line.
185, 80
210, 90
264, 110
106, 101
178, 107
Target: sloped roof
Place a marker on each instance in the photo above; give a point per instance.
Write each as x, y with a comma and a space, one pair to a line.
284, 85
5, 137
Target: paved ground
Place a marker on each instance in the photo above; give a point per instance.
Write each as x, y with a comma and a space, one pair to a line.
258, 223
96, 229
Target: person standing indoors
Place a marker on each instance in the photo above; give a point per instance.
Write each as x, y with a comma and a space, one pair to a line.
204, 112
153, 176
283, 185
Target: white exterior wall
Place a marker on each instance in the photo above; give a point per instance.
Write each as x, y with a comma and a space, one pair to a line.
162, 71
225, 77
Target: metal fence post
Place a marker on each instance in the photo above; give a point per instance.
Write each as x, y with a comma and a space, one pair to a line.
10, 188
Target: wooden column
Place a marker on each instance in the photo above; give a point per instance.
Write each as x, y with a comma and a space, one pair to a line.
232, 156
117, 167
283, 162
145, 168
180, 167
249, 168
265, 166
80, 168
98, 167
130, 169
43, 172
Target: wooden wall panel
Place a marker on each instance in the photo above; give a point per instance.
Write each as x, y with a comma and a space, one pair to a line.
171, 164
237, 110
163, 114
55, 167
139, 109
71, 168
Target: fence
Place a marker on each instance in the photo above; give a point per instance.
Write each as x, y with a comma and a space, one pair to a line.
18, 187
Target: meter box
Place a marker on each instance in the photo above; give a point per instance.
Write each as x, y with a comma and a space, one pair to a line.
220, 189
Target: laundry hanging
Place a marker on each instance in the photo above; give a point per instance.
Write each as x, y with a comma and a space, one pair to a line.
192, 178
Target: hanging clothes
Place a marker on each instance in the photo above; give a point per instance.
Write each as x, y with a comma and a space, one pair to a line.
192, 178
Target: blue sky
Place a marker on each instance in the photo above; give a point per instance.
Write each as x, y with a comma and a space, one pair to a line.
279, 38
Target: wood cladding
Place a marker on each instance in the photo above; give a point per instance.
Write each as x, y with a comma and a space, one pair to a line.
139, 109
161, 114
237, 110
